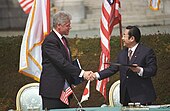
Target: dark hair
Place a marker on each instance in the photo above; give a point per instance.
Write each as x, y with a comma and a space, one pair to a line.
134, 31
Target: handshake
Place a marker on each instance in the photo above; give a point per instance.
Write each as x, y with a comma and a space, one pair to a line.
89, 75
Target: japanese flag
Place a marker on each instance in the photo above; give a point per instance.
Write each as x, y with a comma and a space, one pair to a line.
86, 92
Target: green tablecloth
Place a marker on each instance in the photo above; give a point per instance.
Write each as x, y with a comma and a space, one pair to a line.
91, 109
167, 108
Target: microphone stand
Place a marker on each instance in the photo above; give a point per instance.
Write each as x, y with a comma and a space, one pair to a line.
78, 103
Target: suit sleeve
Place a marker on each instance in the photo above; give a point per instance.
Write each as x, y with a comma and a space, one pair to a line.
111, 70
150, 68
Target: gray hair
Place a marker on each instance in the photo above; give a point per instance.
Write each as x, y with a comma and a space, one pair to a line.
61, 17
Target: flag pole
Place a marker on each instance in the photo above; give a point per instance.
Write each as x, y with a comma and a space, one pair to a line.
120, 27
77, 100
48, 16
81, 108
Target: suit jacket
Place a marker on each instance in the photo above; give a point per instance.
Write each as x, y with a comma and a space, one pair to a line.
140, 88
56, 67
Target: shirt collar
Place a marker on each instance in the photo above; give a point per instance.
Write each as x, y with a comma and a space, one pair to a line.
59, 35
133, 48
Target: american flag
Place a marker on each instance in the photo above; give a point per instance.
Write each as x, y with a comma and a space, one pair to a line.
26, 5
110, 17
67, 91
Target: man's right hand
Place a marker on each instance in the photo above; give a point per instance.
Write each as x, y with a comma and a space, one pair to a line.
88, 75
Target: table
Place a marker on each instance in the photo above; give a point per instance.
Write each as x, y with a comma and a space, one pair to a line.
145, 108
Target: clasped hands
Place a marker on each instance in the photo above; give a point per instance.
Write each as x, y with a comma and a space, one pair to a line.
89, 75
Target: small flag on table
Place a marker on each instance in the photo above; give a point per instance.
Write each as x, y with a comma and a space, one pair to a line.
86, 92
67, 91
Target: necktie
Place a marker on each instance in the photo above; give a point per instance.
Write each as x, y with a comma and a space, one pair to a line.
65, 45
64, 42
130, 54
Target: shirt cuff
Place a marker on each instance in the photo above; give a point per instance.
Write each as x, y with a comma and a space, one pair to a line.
81, 73
141, 72
97, 75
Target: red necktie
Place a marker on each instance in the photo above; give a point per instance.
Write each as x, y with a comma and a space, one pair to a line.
65, 45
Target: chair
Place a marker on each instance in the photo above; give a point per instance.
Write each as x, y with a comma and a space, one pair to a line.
28, 98
114, 94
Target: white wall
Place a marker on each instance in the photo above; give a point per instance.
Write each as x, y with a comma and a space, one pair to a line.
134, 12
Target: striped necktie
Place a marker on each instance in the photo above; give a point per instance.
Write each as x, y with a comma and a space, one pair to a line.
130, 54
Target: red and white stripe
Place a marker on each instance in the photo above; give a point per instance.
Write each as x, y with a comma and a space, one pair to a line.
65, 94
26, 5
37, 27
110, 17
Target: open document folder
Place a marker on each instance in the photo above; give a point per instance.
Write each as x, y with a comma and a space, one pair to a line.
76, 63
77, 80
118, 64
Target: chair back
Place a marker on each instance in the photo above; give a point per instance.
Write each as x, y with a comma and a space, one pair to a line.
28, 98
114, 94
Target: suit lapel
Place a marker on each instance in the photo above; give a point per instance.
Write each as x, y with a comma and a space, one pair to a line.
124, 58
62, 46
66, 51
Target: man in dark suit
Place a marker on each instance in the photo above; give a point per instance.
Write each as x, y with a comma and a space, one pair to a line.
57, 67
135, 82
